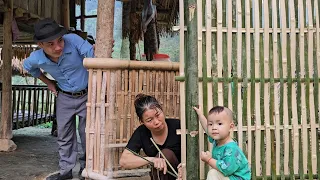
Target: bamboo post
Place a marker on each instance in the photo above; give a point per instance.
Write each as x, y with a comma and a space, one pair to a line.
316, 76
6, 144
310, 90
256, 91
303, 89
246, 84
191, 66
265, 86
210, 57
201, 84
237, 69
273, 66
215, 51
182, 92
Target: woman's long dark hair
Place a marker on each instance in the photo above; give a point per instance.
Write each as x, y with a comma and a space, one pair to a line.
145, 102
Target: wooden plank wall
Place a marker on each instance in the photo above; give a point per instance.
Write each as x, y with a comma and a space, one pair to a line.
42, 8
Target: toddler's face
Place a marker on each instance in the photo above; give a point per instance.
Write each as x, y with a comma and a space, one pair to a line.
219, 125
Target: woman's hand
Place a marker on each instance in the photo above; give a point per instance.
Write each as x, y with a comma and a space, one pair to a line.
205, 156
180, 172
160, 164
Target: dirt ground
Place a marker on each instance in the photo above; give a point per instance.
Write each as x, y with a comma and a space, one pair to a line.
35, 158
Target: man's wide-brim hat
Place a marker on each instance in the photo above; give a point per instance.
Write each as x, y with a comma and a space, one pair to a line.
47, 30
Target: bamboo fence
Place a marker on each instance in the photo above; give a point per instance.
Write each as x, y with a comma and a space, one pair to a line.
259, 58
111, 117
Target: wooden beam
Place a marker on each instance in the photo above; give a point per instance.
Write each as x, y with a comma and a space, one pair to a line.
72, 11
82, 14
6, 118
66, 14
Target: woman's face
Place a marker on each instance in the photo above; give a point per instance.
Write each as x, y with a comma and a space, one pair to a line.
153, 119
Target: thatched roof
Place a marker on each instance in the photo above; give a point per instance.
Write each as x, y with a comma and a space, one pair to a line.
167, 17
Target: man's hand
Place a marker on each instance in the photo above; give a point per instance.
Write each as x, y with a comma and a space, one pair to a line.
205, 156
160, 164
52, 87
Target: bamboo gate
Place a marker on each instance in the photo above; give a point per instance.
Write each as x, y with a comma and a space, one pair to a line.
111, 116
259, 58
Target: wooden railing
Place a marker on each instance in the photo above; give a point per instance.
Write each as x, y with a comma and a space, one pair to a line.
31, 105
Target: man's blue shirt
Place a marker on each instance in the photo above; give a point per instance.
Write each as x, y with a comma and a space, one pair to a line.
69, 71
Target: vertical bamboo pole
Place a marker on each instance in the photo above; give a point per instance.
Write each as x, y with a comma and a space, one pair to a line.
191, 66
294, 118
303, 88
310, 90
274, 108
246, 84
260, 69
211, 55
96, 158
219, 51
316, 76
232, 47
215, 51
90, 124
6, 119
285, 87
200, 85
101, 133
182, 92
226, 39
289, 85
256, 101
266, 87
237, 75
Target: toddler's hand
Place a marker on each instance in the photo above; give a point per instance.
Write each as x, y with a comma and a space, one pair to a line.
205, 156
198, 110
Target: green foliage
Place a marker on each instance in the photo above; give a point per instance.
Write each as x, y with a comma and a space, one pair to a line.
45, 125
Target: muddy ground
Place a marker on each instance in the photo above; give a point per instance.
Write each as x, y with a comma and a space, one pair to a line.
35, 157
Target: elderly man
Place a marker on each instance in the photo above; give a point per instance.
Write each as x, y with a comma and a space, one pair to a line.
61, 55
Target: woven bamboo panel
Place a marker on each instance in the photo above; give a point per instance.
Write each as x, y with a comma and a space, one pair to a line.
111, 117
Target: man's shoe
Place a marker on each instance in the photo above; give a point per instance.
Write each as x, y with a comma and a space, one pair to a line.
80, 172
58, 176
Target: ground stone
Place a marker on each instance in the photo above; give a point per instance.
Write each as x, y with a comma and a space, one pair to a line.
7, 145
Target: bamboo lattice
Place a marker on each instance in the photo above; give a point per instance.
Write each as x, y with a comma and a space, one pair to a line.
259, 58
111, 117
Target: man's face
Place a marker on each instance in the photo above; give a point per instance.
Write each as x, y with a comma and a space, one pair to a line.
54, 48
